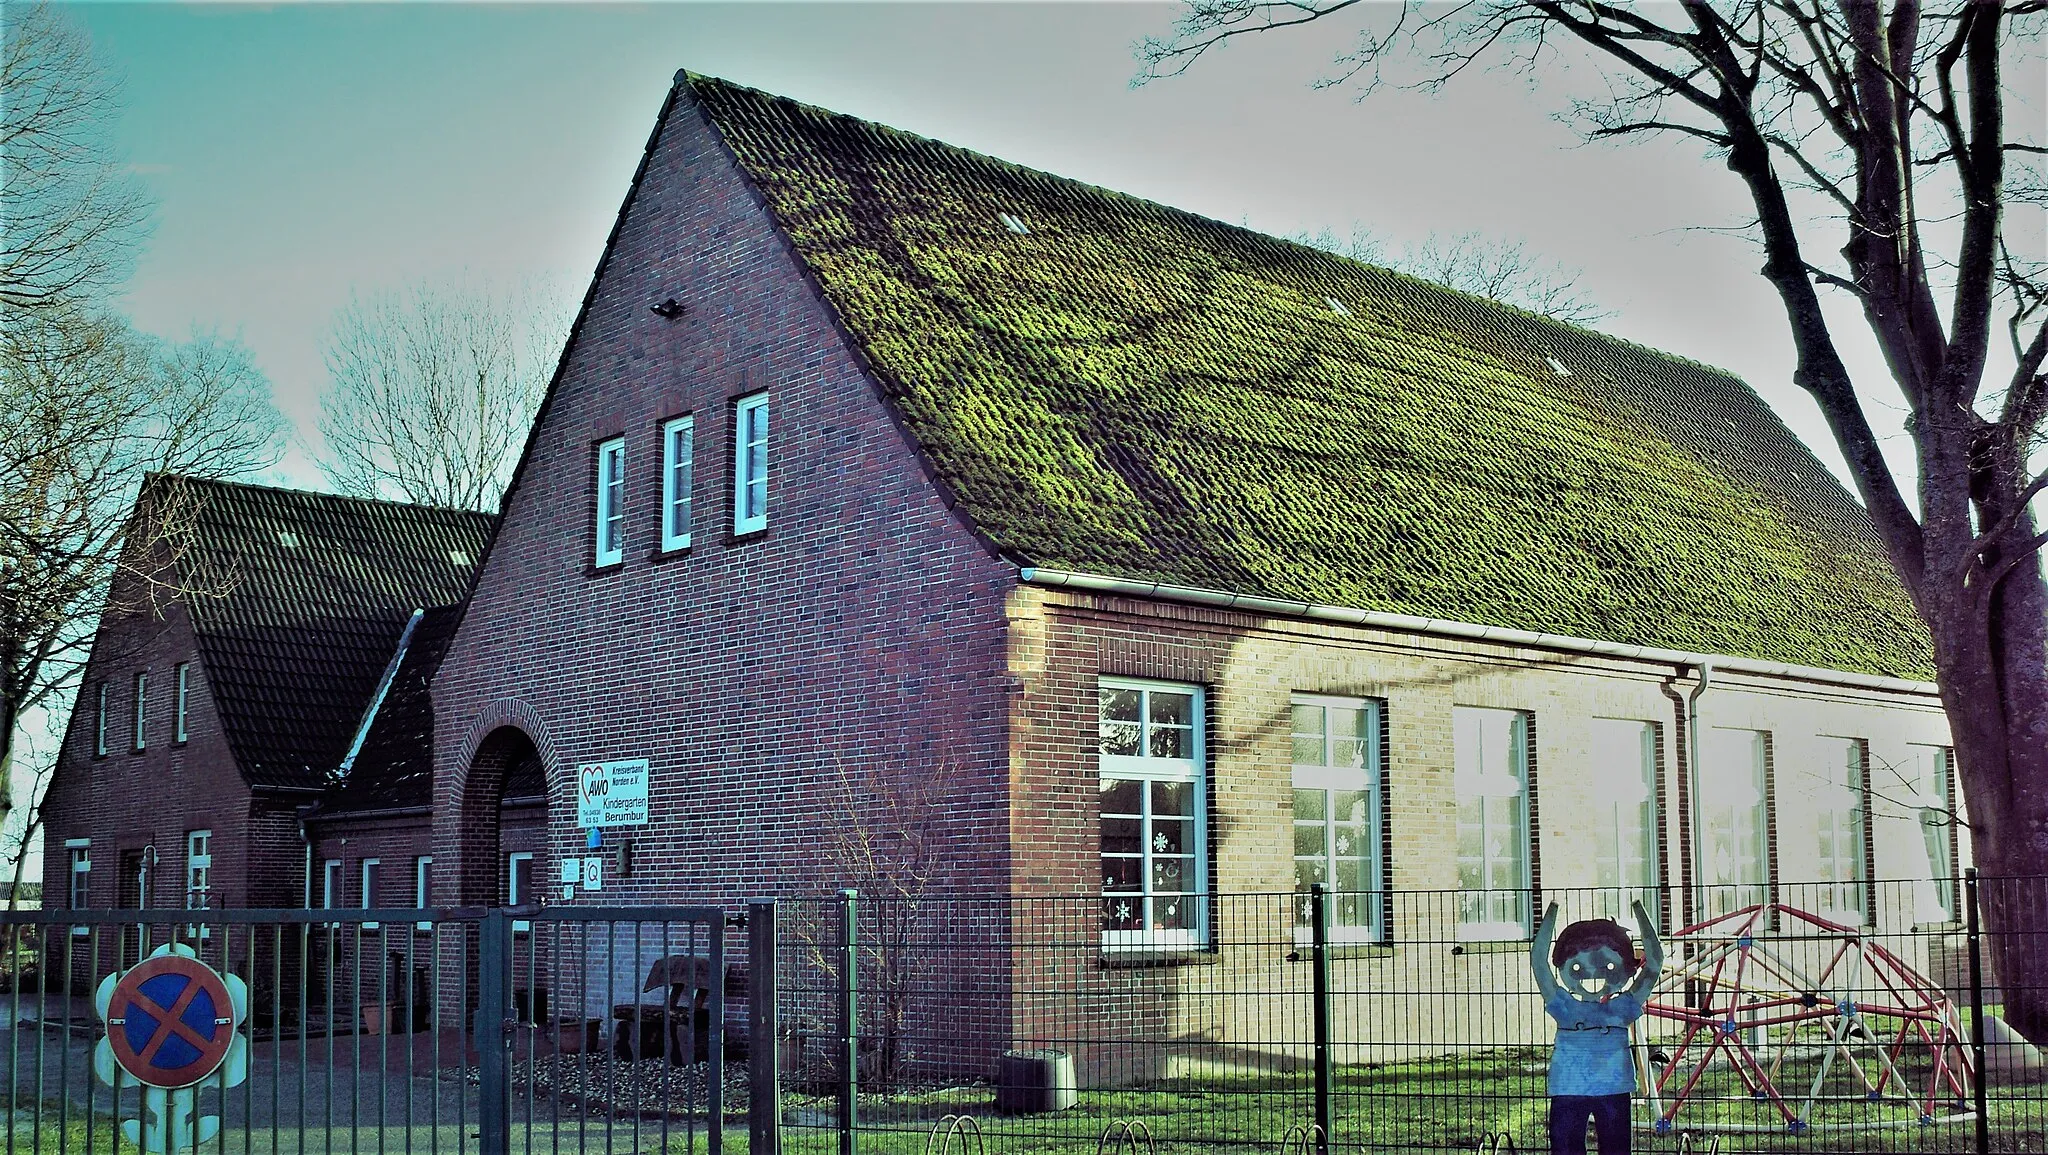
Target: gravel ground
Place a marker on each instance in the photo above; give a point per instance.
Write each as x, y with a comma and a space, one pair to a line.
602, 1087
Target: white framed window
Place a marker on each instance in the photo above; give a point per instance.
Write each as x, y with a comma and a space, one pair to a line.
678, 448
519, 884
184, 689
330, 884
1733, 867
1840, 830
610, 514
141, 701
1627, 861
422, 886
1491, 777
1337, 815
99, 741
1930, 775
369, 891
79, 852
750, 464
198, 869
1153, 814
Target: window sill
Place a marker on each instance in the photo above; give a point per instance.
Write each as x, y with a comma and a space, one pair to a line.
1945, 926
1196, 956
1342, 950
658, 555
743, 537
1492, 946
611, 567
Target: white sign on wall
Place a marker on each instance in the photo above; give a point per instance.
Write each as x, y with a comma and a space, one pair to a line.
611, 793
593, 873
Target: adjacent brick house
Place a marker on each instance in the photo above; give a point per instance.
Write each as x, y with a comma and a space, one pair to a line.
208, 725
1190, 560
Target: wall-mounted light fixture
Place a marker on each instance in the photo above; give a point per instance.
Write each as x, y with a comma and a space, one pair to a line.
668, 310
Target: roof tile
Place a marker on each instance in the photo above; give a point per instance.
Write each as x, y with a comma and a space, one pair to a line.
1133, 390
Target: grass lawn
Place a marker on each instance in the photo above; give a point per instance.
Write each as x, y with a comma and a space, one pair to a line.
1437, 1105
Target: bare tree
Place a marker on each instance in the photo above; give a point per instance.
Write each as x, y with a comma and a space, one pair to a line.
89, 410
1880, 129
69, 206
885, 836
22, 830
433, 389
1471, 262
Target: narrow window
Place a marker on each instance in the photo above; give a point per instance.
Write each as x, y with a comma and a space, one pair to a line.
1624, 780
1932, 783
1492, 784
370, 866
611, 495
330, 884
99, 741
1839, 828
198, 876
750, 464
1734, 864
79, 851
519, 884
422, 888
678, 439
1152, 815
184, 683
141, 698
1337, 814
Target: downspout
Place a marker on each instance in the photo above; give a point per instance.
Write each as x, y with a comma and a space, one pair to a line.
1692, 769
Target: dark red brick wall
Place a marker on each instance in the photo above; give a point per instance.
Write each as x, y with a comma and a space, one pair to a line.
129, 800
864, 628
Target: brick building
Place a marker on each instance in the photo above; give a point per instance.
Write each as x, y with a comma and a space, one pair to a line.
209, 727
1114, 552
1188, 560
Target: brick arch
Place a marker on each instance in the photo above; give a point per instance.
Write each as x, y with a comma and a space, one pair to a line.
503, 733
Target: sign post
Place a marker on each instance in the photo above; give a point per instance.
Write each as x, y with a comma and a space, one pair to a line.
172, 1025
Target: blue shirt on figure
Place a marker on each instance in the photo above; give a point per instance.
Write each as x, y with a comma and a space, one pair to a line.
1591, 1056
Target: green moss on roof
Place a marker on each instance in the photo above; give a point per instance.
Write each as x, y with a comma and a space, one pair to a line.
1132, 390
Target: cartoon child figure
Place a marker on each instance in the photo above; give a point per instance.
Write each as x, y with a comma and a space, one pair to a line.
1593, 987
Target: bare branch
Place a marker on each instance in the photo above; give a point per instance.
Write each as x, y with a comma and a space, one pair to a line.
433, 389
71, 210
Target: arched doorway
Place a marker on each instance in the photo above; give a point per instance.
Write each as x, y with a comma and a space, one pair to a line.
495, 839
500, 821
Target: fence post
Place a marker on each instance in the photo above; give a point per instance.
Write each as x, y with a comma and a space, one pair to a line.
1976, 938
1319, 959
492, 1029
764, 1080
849, 1022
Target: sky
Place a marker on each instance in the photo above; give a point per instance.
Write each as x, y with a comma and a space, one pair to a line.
301, 153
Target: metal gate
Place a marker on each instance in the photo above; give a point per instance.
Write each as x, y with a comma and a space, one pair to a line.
490, 1030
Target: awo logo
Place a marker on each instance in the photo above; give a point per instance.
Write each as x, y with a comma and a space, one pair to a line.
611, 794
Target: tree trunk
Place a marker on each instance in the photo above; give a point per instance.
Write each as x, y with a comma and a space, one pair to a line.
1996, 696
2018, 954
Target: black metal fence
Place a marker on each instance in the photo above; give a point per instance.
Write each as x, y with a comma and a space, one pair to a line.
1842, 1016
505, 1030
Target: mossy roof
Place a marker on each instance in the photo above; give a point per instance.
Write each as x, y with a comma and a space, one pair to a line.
1133, 390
